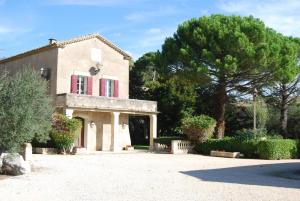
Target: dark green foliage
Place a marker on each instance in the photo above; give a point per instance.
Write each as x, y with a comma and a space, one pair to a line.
247, 147
174, 93
237, 118
275, 149
167, 140
25, 109
64, 131
294, 121
198, 128
254, 148
230, 52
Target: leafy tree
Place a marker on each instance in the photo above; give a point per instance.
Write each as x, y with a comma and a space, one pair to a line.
262, 113
25, 109
174, 93
293, 120
286, 80
231, 52
143, 74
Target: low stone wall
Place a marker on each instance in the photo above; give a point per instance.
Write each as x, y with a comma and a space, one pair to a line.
181, 146
41, 150
225, 154
27, 152
177, 147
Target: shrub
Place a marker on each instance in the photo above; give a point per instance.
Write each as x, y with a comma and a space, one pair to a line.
264, 149
247, 147
274, 149
64, 131
25, 110
198, 128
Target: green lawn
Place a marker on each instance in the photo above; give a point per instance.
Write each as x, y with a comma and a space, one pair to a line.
141, 146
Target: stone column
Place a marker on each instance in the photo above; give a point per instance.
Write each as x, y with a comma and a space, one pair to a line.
153, 130
69, 113
114, 131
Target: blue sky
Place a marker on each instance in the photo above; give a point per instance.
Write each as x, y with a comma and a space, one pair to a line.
137, 26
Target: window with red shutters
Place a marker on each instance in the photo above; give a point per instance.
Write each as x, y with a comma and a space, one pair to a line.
81, 84
109, 88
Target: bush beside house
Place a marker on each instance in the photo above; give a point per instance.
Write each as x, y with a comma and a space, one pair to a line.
64, 132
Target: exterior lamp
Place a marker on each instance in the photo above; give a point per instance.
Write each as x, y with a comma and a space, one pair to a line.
92, 124
45, 73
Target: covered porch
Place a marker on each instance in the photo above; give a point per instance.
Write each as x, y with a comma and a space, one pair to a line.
106, 119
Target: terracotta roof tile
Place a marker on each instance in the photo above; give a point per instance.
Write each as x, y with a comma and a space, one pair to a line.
62, 43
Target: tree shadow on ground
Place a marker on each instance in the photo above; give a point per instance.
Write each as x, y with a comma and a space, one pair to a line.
286, 175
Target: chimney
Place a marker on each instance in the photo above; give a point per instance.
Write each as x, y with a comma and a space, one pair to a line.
52, 41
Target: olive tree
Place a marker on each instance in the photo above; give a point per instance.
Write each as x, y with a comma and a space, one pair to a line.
25, 109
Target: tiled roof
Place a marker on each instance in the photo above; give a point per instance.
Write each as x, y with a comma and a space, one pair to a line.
63, 43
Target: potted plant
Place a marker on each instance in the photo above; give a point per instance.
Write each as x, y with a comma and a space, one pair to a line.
198, 128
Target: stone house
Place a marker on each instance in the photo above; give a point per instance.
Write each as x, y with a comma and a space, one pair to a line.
89, 80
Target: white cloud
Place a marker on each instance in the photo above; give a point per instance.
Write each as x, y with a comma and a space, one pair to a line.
155, 13
150, 40
281, 15
5, 30
155, 37
153, 31
92, 2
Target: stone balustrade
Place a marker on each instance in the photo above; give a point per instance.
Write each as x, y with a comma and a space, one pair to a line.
105, 103
181, 146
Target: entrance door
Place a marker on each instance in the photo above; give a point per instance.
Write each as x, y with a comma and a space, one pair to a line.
80, 141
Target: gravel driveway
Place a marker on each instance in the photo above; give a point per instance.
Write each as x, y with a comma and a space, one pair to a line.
153, 177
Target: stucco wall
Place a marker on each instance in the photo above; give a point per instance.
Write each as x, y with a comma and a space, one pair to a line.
98, 137
76, 59
45, 59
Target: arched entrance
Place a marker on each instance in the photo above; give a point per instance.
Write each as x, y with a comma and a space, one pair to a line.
80, 141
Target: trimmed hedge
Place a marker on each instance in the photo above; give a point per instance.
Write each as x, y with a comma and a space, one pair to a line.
248, 148
278, 149
267, 149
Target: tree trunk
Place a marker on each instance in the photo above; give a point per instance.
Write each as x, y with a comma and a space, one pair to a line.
220, 109
284, 112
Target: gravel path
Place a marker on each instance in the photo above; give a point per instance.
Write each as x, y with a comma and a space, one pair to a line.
151, 177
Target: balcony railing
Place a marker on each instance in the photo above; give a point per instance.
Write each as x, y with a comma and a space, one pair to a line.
85, 102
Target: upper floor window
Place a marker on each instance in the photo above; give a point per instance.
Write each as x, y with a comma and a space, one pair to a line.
109, 88
81, 84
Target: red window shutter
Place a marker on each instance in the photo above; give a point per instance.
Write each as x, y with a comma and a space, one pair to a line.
102, 87
89, 86
74, 84
116, 88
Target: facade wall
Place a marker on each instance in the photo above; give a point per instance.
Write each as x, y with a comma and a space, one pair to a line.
45, 59
98, 136
77, 59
